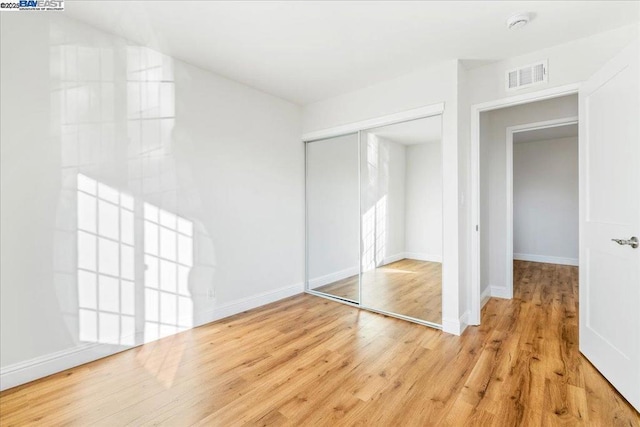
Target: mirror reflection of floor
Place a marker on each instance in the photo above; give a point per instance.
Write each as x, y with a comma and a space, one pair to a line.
408, 287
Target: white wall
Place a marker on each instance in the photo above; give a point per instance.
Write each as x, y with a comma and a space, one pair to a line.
221, 159
333, 209
493, 125
423, 202
424, 87
545, 200
465, 225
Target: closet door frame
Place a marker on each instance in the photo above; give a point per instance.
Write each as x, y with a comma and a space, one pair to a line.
348, 129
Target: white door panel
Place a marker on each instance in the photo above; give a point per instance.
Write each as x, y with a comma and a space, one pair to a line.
610, 208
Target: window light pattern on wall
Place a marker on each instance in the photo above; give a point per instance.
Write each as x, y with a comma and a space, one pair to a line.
130, 261
106, 263
85, 99
168, 258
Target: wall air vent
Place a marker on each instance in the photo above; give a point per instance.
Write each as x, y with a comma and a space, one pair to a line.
526, 76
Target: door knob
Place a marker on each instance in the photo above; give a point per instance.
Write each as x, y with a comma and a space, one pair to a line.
633, 242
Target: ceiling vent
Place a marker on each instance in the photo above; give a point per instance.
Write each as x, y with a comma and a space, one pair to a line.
526, 76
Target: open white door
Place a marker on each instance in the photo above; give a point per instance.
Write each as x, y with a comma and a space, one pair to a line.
610, 209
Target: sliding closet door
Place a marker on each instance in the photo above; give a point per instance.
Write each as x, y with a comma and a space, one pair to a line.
332, 197
401, 184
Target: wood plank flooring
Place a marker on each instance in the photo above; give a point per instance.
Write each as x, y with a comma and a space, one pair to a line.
409, 287
310, 361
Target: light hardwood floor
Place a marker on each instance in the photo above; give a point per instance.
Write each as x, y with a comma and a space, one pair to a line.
310, 361
409, 287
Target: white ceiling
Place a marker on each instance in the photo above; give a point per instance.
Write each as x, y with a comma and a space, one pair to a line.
413, 132
555, 132
312, 50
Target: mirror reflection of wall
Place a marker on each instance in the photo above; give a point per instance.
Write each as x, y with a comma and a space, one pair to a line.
332, 217
401, 183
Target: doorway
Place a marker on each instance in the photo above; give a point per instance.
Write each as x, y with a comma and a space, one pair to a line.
608, 215
500, 131
542, 193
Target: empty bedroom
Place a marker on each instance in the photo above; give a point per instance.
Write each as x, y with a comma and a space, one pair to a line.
315, 213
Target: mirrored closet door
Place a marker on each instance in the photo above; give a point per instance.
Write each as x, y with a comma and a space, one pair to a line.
374, 219
333, 223
401, 205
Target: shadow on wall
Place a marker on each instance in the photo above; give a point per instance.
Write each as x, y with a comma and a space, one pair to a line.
131, 267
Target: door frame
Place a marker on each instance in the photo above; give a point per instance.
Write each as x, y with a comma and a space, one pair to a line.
476, 109
511, 130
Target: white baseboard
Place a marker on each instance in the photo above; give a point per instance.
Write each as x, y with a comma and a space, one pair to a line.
456, 326
248, 303
39, 367
333, 277
423, 256
393, 258
464, 321
500, 292
484, 296
546, 259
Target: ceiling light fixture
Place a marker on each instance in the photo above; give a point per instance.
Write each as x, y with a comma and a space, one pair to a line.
518, 21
